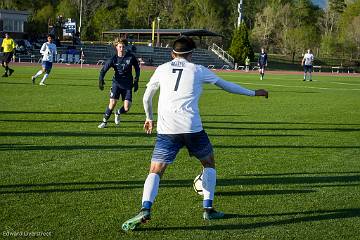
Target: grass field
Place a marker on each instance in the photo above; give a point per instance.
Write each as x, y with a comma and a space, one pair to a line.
288, 166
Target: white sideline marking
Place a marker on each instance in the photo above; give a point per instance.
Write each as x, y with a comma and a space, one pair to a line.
354, 84
279, 85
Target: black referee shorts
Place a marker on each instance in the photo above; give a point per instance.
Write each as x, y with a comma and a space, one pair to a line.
7, 57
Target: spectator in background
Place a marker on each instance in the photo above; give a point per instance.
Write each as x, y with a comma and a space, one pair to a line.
8, 47
247, 64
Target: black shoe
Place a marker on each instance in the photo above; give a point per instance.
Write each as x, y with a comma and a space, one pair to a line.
310, 80
11, 71
5, 75
304, 80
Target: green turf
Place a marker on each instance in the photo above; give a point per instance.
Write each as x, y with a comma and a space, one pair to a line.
288, 166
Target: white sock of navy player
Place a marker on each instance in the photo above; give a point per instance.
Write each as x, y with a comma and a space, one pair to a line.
208, 184
151, 187
38, 74
44, 78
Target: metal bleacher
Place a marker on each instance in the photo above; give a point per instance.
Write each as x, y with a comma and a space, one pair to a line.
98, 53
159, 55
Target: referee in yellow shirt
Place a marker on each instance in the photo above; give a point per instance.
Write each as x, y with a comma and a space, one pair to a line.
8, 46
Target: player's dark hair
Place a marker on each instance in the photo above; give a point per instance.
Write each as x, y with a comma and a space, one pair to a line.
51, 35
183, 46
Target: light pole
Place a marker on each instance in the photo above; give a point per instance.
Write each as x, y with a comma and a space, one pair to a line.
240, 13
80, 19
158, 33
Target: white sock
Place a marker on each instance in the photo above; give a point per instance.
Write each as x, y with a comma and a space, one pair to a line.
151, 187
38, 74
209, 183
44, 78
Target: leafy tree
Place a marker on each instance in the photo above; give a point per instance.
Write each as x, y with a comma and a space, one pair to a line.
293, 43
352, 43
105, 19
265, 26
240, 47
207, 15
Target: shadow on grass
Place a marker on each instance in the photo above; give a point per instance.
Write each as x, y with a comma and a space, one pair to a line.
118, 147
47, 85
127, 134
310, 216
338, 129
119, 185
205, 121
263, 192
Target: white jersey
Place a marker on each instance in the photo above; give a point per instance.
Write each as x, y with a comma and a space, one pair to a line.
308, 59
180, 85
48, 50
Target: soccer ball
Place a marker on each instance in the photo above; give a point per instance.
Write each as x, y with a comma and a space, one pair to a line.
197, 184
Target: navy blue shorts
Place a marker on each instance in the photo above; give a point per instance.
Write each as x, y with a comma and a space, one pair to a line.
47, 65
308, 68
167, 146
116, 91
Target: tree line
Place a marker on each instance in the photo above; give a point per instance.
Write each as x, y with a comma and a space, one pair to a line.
281, 26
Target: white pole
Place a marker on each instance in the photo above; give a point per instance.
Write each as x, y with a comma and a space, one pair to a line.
81, 57
240, 13
80, 18
158, 33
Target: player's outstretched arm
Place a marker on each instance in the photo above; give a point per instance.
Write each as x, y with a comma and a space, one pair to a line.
237, 89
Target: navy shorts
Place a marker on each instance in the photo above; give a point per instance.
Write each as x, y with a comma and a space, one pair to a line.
308, 68
116, 91
47, 65
167, 146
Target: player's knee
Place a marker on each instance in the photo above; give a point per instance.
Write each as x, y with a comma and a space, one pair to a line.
208, 162
112, 103
158, 168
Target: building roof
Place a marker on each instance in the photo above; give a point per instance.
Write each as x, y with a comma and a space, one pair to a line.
14, 12
168, 32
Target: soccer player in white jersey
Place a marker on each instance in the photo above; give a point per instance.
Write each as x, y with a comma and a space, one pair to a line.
48, 50
179, 124
307, 63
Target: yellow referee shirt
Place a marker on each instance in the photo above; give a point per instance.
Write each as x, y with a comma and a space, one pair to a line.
8, 45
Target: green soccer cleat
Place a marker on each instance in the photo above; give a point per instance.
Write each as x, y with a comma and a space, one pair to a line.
211, 214
132, 223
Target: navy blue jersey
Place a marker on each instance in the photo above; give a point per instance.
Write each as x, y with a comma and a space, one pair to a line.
123, 70
262, 59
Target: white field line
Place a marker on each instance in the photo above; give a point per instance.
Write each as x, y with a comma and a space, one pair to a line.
289, 86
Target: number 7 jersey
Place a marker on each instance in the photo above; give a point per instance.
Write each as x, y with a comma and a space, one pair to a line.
180, 84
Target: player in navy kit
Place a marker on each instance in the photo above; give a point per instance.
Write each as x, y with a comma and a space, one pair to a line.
122, 83
262, 63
